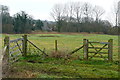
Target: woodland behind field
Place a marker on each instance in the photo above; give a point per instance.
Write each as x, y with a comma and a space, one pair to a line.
69, 17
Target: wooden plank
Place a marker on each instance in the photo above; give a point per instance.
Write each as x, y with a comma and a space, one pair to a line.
98, 52
99, 42
14, 51
19, 39
104, 42
15, 58
15, 46
97, 48
17, 55
96, 56
93, 42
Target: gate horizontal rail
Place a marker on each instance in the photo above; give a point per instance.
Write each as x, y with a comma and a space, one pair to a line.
100, 42
16, 46
97, 48
16, 40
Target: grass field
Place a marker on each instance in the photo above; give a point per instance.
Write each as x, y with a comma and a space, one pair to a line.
60, 67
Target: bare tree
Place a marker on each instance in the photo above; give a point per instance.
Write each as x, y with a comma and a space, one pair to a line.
119, 13
78, 11
4, 9
115, 12
87, 9
69, 10
98, 12
69, 16
57, 14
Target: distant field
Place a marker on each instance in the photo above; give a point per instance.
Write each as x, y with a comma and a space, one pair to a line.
60, 68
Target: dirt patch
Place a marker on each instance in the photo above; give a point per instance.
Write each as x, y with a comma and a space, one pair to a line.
22, 74
49, 36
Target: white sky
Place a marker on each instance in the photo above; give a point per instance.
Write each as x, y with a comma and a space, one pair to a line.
40, 9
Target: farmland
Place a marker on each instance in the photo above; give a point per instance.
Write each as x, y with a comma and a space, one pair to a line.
75, 67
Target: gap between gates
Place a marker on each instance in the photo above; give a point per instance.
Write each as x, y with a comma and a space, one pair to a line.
21, 45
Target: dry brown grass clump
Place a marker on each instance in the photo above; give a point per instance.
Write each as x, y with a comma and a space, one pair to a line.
62, 54
59, 54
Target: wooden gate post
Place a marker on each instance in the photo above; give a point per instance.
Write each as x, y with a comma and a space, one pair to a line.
110, 50
85, 48
24, 47
56, 49
5, 60
6, 43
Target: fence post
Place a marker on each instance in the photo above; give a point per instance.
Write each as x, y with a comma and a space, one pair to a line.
110, 50
56, 49
85, 48
6, 43
24, 47
5, 60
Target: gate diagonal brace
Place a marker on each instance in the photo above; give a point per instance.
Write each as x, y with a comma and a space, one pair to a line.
19, 47
76, 50
99, 50
37, 48
95, 49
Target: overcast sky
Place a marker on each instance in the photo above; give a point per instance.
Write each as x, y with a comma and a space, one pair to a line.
40, 9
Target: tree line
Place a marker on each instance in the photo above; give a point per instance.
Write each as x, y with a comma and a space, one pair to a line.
21, 22
81, 17
69, 17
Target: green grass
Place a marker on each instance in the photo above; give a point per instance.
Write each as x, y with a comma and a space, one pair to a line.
61, 68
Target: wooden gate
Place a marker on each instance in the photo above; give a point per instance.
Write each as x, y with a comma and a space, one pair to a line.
88, 45
15, 48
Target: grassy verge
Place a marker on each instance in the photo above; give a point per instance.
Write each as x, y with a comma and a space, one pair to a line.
37, 67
